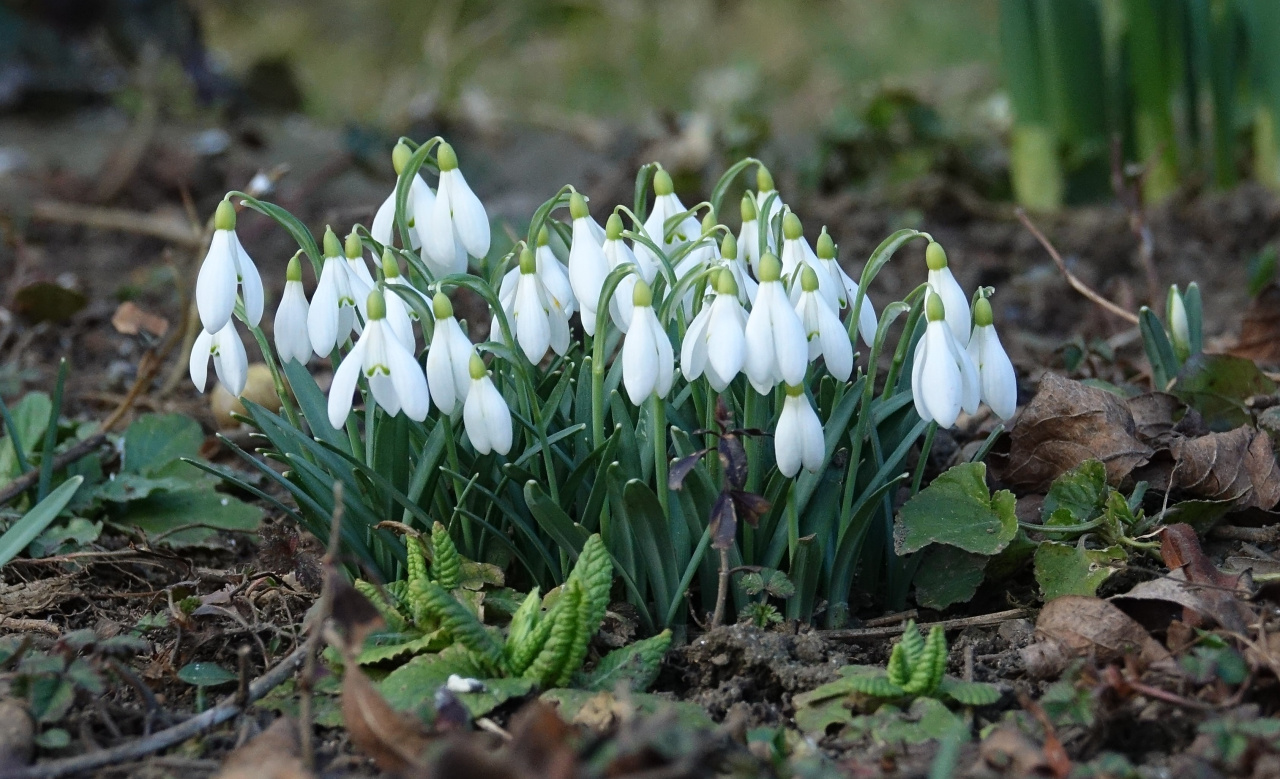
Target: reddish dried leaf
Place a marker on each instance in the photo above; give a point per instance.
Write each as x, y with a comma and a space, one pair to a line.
1078, 626
353, 612
1065, 424
272, 754
1260, 330
1237, 465
131, 320
395, 741
1153, 414
1180, 549
1010, 753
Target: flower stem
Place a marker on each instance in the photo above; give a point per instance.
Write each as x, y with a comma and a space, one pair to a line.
281, 391
659, 412
459, 487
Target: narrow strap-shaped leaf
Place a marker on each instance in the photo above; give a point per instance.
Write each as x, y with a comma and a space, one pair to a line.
296, 229
33, 523
726, 179
51, 433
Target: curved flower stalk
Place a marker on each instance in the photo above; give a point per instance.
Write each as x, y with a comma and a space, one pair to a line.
826, 335
226, 268
798, 440
449, 358
332, 315
230, 362
587, 264
996, 378
666, 204
617, 252
944, 379
747, 286
946, 287
456, 225
399, 316
396, 381
715, 343
292, 340
868, 322
420, 195
776, 347
648, 361
537, 320
485, 415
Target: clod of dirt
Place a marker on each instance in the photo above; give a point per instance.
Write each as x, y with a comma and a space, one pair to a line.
1076, 626
17, 735
1065, 424
273, 754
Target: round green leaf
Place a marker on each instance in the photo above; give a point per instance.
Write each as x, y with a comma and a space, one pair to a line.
957, 509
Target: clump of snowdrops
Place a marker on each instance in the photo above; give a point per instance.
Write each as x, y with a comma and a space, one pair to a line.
614, 336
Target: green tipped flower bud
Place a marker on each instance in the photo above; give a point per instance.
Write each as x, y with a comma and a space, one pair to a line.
791, 228
390, 267
441, 306
729, 247
476, 367
769, 269
352, 246
544, 237
935, 256
578, 206
662, 184
642, 296
400, 157
446, 159
1175, 311
376, 306
982, 313
747, 207
332, 246
613, 228
933, 308
225, 217
528, 263
708, 222
726, 284
826, 248
808, 280
764, 180
794, 390
294, 271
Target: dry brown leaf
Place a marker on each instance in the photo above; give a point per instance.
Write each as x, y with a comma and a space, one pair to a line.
1153, 414
1236, 465
1157, 603
1065, 424
394, 740
272, 754
1006, 752
17, 735
1077, 626
353, 613
1260, 330
1180, 549
541, 743
131, 320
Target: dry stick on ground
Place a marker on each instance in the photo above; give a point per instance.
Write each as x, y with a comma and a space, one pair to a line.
28, 480
1128, 190
166, 738
1072, 279
324, 606
166, 228
868, 634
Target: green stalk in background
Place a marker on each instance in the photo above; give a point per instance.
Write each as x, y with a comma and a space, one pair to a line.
1070, 39
1033, 154
1263, 24
1153, 61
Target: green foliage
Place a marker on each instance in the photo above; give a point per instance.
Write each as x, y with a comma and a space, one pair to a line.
446, 563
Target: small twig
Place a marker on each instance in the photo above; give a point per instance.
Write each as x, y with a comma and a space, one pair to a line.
1254, 535
722, 593
484, 723
163, 227
863, 634
324, 606
19, 625
28, 480
1076, 283
891, 619
242, 692
165, 738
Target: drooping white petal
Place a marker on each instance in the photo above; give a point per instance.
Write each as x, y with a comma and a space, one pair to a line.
813, 445
377, 366
760, 363
383, 229
940, 379
826, 335
216, 283
788, 449
487, 418
399, 319
954, 301
530, 321
749, 245
343, 385
559, 324
693, 350
198, 365
435, 228
587, 269
447, 365
553, 275
640, 356
789, 345
250, 282
292, 340
470, 222
410, 383
666, 360
229, 359
726, 340
323, 317
998, 378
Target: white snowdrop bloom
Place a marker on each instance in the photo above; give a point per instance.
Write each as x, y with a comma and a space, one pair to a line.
290, 329
868, 322
776, 346
457, 224
946, 287
587, 264
485, 415
715, 343
396, 381
399, 315
944, 379
616, 252
332, 315
747, 286
420, 196
536, 320
798, 440
648, 361
449, 358
749, 234
699, 257
551, 272
767, 193
229, 360
1175, 311
358, 274
666, 204
226, 268
996, 378
827, 336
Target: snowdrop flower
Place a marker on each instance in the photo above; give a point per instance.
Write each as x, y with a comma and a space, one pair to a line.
485, 414
456, 224
767, 193
292, 340
332, 315
420, 196
616, 252
551, 272
747, 286
827, 336
587, 264
537, 321
749, 235
399, 316
867, 320
798, 439
776, 347
997, 381
666, 204
226, 267
449, 358
395, 379
358, 274
229, 359
648, 361
797, 253
1175, 311
715, 343
944, 379
946, 287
